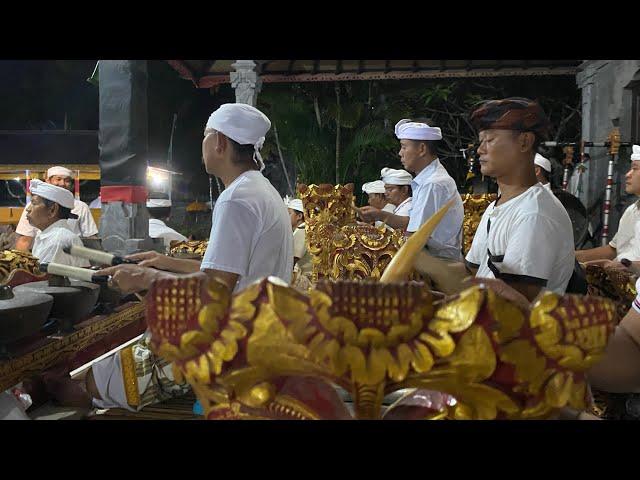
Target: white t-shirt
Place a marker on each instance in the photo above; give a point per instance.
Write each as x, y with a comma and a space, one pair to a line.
432, 188
389, 207
627, 239
530, 240
404, 209
250, 232
84, 225
300, 250
636, 302
159, 229
48, 245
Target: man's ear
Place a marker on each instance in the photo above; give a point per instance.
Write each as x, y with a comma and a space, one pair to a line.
527, 140
222, 143
55, 210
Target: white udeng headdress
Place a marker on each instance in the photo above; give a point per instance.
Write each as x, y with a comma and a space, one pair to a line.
242, 123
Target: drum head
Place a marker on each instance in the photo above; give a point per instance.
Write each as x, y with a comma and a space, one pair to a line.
578, 215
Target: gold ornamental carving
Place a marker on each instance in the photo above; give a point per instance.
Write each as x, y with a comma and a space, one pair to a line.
474, 207
341, 247
271, 351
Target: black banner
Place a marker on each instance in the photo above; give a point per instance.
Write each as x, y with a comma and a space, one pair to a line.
123, 138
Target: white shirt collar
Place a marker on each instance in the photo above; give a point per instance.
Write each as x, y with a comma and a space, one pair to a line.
51, 228
157, 221
429, 170
406, 201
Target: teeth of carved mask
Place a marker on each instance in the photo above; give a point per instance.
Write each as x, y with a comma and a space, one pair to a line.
402, 263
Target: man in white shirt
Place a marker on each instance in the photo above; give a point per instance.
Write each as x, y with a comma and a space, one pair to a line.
543, 170
250, 239
626, 242
251, 231
301, 255
48, 211
159, 211
397, 186
84, 224
525, 237
376, 196
432, 188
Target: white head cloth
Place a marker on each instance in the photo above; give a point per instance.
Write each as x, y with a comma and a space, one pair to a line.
294, 204
61, 196
158, 202
542, 162
635, 155
243, 123
391, 176
373, 187
61, 171
406, 129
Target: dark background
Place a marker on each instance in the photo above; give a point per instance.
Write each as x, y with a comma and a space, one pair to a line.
55, 95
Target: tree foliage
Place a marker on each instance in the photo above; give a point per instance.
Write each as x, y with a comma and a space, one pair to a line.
306, 117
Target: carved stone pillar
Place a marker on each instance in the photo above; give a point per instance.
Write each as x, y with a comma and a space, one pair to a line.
123, 142
245, 81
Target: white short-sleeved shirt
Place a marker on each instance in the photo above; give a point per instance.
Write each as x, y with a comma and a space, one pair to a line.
432, 188
300, 250
627, 239
404, 209
48, 245
84, 225
530, 240
250, 232
389, 207
159, 229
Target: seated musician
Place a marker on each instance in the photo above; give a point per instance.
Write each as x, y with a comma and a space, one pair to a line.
159, 212
397, 186
301, 255
81, 223
250, 239
376, 196
543, 170
49, 210
525, 237
626, 242
619, 370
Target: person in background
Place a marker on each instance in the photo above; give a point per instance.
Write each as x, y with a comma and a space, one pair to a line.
159, 212
83, 223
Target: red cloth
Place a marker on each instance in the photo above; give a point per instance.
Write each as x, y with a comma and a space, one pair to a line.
124, 193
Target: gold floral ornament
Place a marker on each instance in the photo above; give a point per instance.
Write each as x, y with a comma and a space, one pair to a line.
188, 249
342, 248
248, 358
616, 284
12, 260
474, 207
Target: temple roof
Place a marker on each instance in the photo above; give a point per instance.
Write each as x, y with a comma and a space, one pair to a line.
208, 73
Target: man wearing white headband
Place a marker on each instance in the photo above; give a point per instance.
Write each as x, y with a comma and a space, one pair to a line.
377, 201
250, 239
159, 211
84, 225
432, 187
397, 186
301, 256
626, 243
251, 232
48, 212
543, 170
